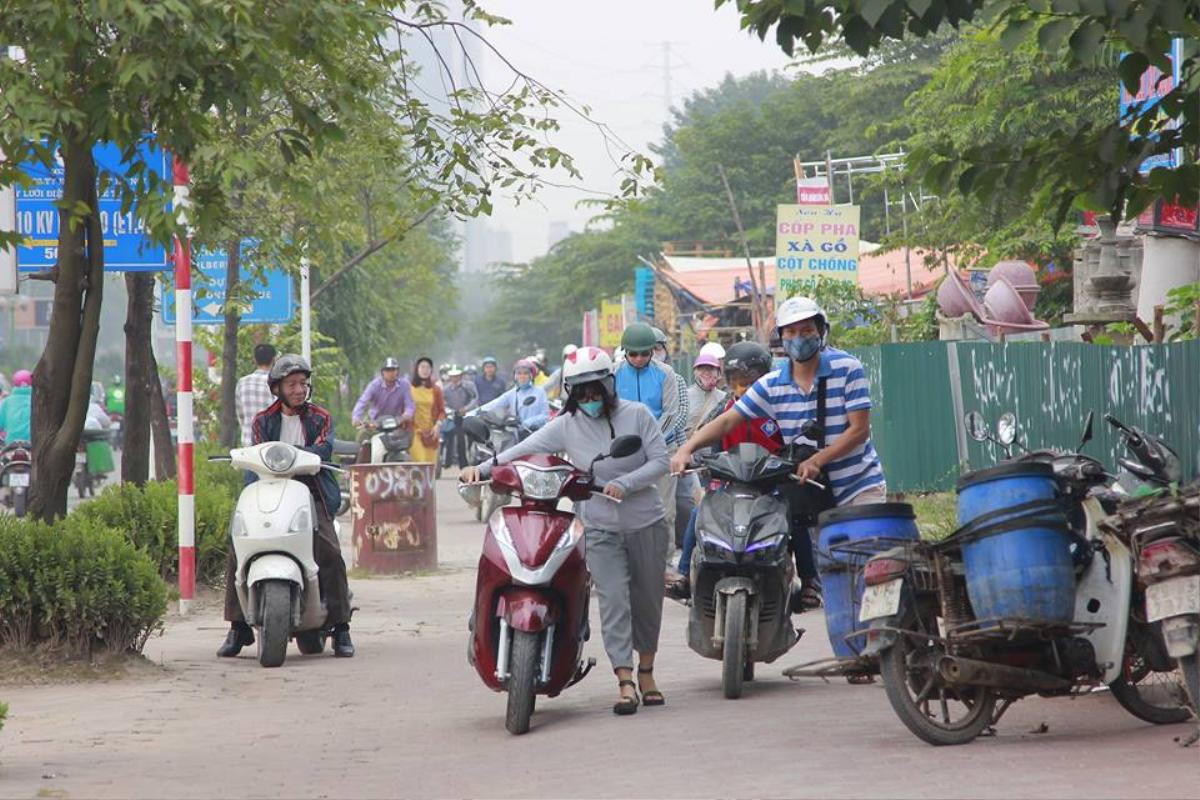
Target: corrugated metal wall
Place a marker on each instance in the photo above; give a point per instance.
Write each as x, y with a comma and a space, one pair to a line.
1050, 386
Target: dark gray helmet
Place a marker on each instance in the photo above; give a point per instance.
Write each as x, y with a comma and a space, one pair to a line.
285, 365
659, 336
390, 363
748, 359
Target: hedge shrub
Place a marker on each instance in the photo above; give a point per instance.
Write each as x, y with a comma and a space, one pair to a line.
148, 516
77, 585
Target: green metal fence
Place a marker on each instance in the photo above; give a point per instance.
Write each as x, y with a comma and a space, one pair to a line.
920, 391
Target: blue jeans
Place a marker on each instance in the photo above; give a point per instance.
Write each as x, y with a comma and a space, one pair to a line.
689, 543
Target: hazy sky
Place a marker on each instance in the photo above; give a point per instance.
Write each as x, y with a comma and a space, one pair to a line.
609, 55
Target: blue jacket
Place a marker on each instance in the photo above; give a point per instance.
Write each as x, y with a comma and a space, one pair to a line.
654, 386
318, 438
532, 416
15, 414
489, 390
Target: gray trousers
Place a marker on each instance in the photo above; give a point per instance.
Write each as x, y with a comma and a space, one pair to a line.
627, 571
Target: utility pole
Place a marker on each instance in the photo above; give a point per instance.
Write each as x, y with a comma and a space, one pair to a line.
758, 304
666, 53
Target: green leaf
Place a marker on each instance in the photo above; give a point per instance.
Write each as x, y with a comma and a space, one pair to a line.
1051, 34
1015, 32
1131, 69
1086, 39
873, 10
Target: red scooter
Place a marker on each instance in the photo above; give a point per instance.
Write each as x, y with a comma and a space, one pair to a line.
530, 617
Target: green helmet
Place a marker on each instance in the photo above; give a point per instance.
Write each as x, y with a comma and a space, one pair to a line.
638, 336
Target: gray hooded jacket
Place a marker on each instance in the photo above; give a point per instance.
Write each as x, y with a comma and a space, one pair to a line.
583, 438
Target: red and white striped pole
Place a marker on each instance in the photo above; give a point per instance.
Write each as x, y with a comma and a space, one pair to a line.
183, 394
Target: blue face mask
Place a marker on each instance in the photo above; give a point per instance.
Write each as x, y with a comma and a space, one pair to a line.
802, 348
592, 407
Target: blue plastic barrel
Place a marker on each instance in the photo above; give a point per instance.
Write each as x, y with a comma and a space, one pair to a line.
1026, 573
841, 572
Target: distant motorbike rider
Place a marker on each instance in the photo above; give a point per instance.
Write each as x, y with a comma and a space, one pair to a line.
292, 419
814, 375
388, 395
460, 397
16, 409
532, 416
553, 386
488, 384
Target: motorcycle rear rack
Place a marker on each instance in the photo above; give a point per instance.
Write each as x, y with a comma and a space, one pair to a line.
860, 551
1011, 628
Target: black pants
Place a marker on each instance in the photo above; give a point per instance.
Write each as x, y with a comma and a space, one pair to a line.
802, 517
331, 575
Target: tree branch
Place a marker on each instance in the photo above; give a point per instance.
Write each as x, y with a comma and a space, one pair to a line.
366, 252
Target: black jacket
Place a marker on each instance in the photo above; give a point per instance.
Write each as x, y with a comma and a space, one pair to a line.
318, 438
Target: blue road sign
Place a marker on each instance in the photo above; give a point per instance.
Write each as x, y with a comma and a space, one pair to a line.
126, 246
273, 304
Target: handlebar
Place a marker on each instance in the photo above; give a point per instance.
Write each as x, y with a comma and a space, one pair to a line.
1132, 433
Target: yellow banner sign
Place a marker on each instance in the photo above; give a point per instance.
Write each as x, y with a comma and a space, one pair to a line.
813, 241
612, 323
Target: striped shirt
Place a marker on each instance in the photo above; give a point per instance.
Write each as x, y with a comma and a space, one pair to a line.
774, 395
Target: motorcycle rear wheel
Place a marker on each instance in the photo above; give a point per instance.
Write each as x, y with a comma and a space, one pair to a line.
20, 496
310, 643
911, 685
276, 623
1159, 698
522, 680
733, 659
1190, 667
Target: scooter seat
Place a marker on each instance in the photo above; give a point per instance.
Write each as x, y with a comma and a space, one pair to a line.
345, 447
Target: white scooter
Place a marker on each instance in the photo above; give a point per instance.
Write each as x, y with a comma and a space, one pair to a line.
272, 531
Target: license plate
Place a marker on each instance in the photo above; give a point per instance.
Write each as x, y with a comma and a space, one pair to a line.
18, 479
882, 600
1172, 598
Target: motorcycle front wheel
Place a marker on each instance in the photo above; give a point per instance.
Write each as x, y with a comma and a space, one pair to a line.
522, 681
934, 712
733, 658
276, 623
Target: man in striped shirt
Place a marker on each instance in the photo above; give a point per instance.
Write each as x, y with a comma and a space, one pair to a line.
788, 396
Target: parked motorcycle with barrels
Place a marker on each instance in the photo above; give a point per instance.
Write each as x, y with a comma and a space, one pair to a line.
1162, 524
1028, 596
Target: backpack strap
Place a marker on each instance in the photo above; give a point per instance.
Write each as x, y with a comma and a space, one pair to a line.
821, 412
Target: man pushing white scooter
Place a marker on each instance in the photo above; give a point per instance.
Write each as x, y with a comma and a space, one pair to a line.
285, 574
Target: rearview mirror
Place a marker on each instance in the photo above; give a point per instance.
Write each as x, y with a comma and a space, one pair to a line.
624, 446
1087, 430
1006, 428
476, 429
976, 426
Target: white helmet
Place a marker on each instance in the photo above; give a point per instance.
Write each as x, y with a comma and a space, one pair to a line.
618, 355
797, 309
585, 365
568, 350
713, 349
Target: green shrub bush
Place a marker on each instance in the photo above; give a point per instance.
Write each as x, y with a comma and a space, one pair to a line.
77, 585
148, 517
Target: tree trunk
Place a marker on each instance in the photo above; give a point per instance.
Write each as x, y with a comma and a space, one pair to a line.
140, 373
62, 380
160, 427
229, 365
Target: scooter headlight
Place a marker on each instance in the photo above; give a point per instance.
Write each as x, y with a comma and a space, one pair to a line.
540, 484
716, 548
279, 457
767, 549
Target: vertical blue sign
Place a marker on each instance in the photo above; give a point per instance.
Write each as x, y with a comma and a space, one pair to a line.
126, 246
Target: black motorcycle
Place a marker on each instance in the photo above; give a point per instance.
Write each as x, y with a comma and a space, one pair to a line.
16, 465
742, 569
